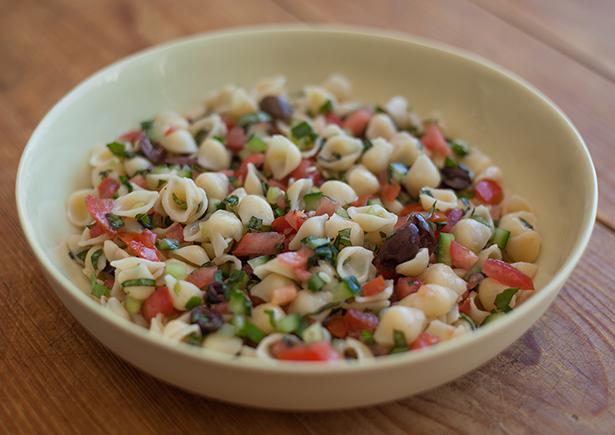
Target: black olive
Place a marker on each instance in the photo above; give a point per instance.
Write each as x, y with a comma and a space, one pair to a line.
456, 178
214, 293
404, 244
154, 153
277, 107
207, 319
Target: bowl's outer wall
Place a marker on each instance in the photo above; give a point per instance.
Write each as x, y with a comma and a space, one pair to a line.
541, 155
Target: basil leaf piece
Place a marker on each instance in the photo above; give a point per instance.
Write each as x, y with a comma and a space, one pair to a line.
502, 301
180, 202
139, 282
115, 221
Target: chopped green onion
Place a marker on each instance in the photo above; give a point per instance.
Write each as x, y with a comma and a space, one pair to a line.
502, 301
450, 163
460, 148
400, 343
290, 323
367, 144
126, 183
374, 201
314, 242
256, 144
258, 261
167, 244
342, 212
303, 130
343, 239
228, 203
219, 139
367, 337
193, 302
145, 220
326, 107
325, 252
118, 149
253, 332
147, 125
94, 258
180, 202
315, 283
346, 289
239, 303
255, 224
311, 200
500, 237
98, 289
115, 221
272, 320
139, 282
253, 118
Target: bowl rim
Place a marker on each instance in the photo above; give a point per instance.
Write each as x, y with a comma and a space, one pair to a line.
141, 334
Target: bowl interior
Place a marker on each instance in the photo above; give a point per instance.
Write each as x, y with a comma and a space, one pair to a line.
541, 154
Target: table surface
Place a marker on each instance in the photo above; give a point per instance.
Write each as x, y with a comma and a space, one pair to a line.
558, 378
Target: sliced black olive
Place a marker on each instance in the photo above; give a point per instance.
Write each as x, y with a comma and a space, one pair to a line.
277, 107
456, 178
154, 153
207, 319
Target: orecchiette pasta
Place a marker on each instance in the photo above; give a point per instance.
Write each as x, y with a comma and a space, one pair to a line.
339, 191
362, 181
380, 126
213, 155
423, 173
377, 158
373, 218
76, 210
282, 156
215, 184
407, 320
135, 203
255, 206
355, 261
314, 226
183, 200
339, 153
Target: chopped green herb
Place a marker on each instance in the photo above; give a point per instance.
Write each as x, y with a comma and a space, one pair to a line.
167, 244
126, 183
253, 332
193, 302
228, 203
450, 163
98, 289
94, 258
315, 283
255, 224
367, 337
326, 107
219, 139
139, 282
314, 242
346, 289
253, 118
115, 221
79, 257
290, 323
146, 126
118, 149
525, 223
239, 303
502, 301
145, 220
302, 130
256, 144
460, 148
180, 202
258, 261
311, 200
399, 338
271, 316
325, 252
367, 144
343, 239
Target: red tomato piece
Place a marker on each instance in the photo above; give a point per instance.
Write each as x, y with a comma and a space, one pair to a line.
259, 244
230, 122
389, 192
326, 206
107, 187
434, 141
337, 326
425, 339
357, 121
411, 208
461, 256
358, 321
465, 306
98, 209
406, 286
506, 274
175, 232
333, 119
96, 230
236, 138
159, 302
256, 159
295, 219
277, 183
453, 216
318, 351
202, 276
488, 192
139, 180
361, 201
142, 244
306, 169
374, 286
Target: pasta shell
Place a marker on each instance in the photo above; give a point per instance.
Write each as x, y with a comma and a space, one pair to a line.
183, 200
282, 156
410, 321
134, 203
213, 155
76, 210
354, 261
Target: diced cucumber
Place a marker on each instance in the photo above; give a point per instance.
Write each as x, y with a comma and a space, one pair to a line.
492, 317
253, 332
176, 268
500, 237
289, 323
444, 248
238, 303
311, 200
346, 289
258, 261
313, 333
132, 305
256, 144
315, 283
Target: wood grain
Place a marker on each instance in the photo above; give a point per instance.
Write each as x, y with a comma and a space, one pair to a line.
55, 378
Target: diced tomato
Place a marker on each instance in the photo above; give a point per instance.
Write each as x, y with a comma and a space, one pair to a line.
465, 306
229, 122
318, 351
283, 295
374, 286
97, 230
277, 183
107, 187
333, 119
256, 159
326, 206
389, 192
337, 326
259, 244
139, 180
130, 136
202, 276
506, 274
357, 122
142, 244
295, 259
434, 141
306, 169
109, 282
438, 217
159, 302
425, 339
295, 219
461, 256
453, 216
488, 192
361, 201
406, 286
175, 232
358, 321
236, 139
98, 209
302, 274
411, 208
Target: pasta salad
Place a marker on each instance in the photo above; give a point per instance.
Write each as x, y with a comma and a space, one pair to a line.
301, 226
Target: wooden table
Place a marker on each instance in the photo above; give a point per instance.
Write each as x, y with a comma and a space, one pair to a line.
559, 378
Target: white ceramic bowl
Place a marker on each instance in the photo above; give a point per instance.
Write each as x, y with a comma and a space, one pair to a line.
542, 156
